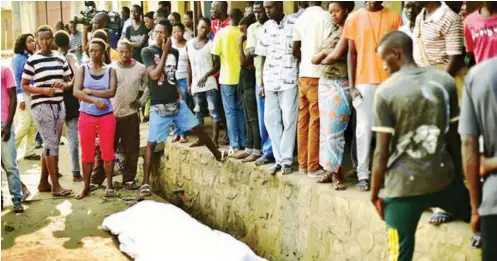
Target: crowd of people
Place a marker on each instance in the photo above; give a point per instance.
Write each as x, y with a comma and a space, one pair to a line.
274, 81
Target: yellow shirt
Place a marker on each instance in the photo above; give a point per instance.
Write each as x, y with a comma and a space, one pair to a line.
226, 47
114, 55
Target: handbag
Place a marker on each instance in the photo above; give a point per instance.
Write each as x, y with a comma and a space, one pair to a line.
460, 75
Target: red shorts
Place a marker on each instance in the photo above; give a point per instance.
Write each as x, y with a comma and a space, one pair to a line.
88, 127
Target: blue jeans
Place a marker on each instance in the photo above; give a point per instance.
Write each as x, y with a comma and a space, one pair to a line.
206, 99
73, 139
267, 149
183, 85
9, 163
235, 119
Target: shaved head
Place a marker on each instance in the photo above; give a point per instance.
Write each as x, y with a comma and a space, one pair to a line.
397, 40
395, 49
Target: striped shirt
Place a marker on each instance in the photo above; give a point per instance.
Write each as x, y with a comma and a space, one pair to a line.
44, 71
441, 34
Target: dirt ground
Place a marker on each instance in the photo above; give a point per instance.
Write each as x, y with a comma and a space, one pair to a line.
60, 229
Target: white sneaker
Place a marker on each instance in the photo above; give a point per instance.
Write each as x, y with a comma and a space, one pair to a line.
316, 174
303, 170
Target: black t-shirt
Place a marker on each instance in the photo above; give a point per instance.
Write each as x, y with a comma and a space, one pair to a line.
163, 90
135, 36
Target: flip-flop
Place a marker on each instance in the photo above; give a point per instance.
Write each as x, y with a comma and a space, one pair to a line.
110, 193
363, 185
439, 218
145, 191
131, 185
18, 208
183, 140
63, 194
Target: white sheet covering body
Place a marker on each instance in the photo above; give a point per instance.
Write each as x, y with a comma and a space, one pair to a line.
153, 231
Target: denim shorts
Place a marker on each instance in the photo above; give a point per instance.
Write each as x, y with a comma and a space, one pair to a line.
207, 100
159, 125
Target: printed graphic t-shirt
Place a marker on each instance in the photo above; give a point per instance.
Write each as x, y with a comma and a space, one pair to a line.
416, 106
163, 90
480, 34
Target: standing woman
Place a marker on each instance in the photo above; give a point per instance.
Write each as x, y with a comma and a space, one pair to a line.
94, 85
51, 75
189, 31
179, 44
26, 127
148, 19
334, 98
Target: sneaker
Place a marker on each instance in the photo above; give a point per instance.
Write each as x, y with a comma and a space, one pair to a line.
303, 170
316, 174
263, 160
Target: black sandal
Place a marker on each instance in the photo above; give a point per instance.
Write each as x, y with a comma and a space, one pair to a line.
286, 169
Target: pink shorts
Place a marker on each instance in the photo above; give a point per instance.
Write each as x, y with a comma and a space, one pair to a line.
88, 127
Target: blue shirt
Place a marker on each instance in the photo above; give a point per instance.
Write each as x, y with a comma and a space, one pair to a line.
18, 63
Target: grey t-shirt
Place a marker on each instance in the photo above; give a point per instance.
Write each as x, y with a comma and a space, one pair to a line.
478, 117
416, 106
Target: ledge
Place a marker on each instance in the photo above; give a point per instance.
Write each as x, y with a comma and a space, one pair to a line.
290, 217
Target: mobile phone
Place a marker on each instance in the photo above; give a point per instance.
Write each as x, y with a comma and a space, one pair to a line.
357, 101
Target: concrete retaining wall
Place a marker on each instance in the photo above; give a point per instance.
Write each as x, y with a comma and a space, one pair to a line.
291, 217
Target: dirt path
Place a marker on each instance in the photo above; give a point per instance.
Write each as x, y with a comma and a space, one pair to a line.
59, 229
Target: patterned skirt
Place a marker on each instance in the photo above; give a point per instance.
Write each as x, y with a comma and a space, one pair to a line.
334, 111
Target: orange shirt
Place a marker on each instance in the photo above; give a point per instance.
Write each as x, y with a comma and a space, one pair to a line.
367, 29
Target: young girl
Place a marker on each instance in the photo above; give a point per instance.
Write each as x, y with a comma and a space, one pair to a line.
334, 97
189, 32
94, 85
201, 82
181, 72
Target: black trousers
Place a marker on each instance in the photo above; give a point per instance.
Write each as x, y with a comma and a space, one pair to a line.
246, 88
488, 228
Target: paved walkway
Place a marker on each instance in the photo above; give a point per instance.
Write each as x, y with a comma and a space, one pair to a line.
60, 229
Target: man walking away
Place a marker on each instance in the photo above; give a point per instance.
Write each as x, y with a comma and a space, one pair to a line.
416, 114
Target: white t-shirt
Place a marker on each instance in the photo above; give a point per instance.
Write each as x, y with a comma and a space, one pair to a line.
181, 71
312, 28
201, 62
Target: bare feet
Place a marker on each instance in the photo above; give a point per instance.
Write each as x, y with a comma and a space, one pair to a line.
44, 187
83, 194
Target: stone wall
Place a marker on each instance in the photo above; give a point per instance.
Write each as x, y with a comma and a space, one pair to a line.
291, 217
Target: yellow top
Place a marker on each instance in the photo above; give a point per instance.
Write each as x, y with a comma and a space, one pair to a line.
226, 47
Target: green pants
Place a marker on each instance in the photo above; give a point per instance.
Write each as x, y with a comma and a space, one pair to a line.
402, 216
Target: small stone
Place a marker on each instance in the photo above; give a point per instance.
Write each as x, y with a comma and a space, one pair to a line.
8, 228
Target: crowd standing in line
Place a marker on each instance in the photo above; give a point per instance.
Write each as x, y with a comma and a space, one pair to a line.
274, 81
